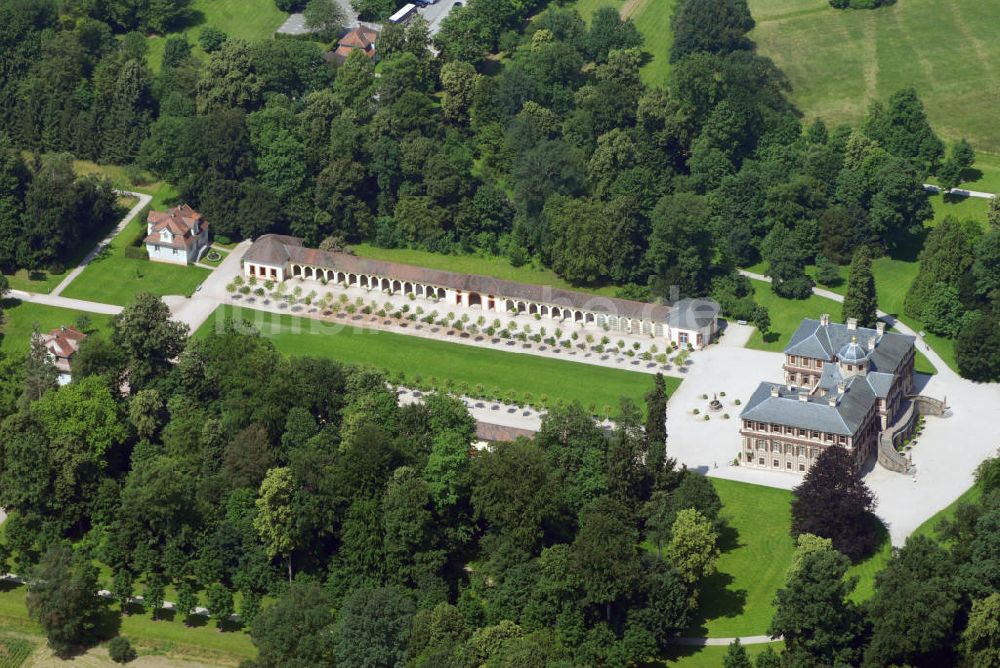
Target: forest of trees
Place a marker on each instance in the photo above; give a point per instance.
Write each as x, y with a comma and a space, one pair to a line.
238, 470
561, 153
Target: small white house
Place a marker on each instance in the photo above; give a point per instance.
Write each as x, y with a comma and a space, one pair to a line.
178, 235
62, 343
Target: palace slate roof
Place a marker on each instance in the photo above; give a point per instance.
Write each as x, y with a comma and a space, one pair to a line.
815, 413
816, 340
279, 250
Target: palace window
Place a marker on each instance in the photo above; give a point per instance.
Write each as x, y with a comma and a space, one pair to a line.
788, 465
777, 464
682, 337
761, 461
802, 467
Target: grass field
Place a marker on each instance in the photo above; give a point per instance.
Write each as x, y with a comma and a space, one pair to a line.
839, 61
112, 278
652, 18
19, 317
679, 656
165, 637
495, 266
786, 314
592, 386
757, 550
242, 19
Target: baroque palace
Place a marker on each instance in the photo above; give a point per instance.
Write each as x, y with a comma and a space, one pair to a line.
844, 385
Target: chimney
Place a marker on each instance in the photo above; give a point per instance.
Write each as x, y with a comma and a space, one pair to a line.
825, 320
803, 396
871, 343
880, 327
852, 323
832, 400
774, 391
841, 388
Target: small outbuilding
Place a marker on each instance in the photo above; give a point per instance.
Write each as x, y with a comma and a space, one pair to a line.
178, 235
62, 343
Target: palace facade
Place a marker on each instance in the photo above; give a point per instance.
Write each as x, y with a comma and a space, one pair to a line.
276, 257
844, 385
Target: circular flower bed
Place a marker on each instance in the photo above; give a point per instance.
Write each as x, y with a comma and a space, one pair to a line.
213, 256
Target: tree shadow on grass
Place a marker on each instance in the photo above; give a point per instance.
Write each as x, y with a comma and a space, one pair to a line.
971, 174
109, 624
716, 599
905, 246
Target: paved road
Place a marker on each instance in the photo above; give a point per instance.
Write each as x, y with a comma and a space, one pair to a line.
959, 192
744, 640
65, 302
122, 224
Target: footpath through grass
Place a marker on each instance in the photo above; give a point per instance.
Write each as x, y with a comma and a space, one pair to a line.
112, 278
163, 637
839, 61
595, 387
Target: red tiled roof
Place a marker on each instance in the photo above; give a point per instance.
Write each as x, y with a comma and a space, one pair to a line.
180, 220
498, 433
360, 37
63, 341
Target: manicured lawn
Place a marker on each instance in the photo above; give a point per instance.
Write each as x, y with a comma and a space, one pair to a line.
786, 315
19, 317
708, 657
251, 20
838, 61
593, 386
495, 266
929, 527
652, 18
112, 278
756, 552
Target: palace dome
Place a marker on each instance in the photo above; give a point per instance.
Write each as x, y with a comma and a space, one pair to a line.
852, 353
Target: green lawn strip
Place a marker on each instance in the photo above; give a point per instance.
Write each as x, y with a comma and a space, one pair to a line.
214, 263
19, 317
711, 656
757, 550
160, 637
838, 61
593, 386
652, 19
866, 570
786, 315
112, 278
929, 527
251, 20
494, 266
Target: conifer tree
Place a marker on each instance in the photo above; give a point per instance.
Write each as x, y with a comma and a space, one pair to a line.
40, 373
861, 302
656, 425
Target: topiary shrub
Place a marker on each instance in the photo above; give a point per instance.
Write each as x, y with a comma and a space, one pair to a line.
120, 650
